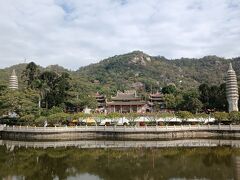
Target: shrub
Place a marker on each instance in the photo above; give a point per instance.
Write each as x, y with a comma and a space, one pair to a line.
55, 110
58, 118
81, 115
234, 116
28, 119
40, 121
184, 115
201, 115
221, 116
114, 115
166, 114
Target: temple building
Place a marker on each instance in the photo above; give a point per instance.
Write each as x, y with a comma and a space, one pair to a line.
101, 102
232, 89
13, 81
126, 102
156, 102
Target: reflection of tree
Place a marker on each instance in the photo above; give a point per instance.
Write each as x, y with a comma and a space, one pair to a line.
118, 164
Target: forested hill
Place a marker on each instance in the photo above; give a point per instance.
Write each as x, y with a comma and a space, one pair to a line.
6, 72
137, 68
141, 71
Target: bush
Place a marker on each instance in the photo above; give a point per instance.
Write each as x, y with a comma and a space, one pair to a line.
81, 115
40, 121
58, 119
55, 110
201, 115
184, 115
114, 115
221, 116
166, 114
28, 119
234, 116
132, 116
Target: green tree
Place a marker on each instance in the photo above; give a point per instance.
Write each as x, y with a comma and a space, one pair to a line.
213, 97
31, 75
54, 88
173, 101
170, 89
191, 102
21, 102
58, 118
204, 95
81, 100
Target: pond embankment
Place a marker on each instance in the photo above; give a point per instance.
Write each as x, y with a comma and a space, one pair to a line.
121, 132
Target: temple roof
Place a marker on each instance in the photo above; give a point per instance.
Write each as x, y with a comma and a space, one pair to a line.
122, 103
127, 95
157, 94
156, 98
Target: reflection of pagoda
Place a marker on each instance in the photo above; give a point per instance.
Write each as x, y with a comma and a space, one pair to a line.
236, 165
156, 101
13, 81
125, 102
101, 101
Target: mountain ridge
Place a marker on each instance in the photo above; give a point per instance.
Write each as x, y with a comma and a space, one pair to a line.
139, 70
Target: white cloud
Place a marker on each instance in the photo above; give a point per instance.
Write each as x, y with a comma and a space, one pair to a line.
74, 33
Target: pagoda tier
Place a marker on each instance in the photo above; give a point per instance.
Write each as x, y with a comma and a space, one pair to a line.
156, 101
101, 100
232, 89
125, 102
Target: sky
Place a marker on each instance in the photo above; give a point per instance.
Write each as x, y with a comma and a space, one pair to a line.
75, 33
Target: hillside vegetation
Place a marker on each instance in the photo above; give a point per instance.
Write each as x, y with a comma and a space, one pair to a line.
137, 70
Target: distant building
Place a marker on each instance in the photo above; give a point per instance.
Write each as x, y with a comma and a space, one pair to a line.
126, 102
232, 89
101, 102
13, 81
156, 102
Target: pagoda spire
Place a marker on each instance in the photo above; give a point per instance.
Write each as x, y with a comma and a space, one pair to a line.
230, 67
13, 81
232, 89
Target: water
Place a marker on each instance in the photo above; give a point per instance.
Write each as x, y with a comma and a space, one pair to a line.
216, 162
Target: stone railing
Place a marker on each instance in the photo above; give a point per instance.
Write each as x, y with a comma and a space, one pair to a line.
128, 129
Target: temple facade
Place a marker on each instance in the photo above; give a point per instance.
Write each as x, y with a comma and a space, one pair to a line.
232, 89
13, 81
126, 102
156, 102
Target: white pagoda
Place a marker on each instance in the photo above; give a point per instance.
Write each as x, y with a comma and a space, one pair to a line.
232, 89
13, 81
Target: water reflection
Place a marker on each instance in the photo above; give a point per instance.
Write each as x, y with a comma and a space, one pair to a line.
236, 165
120, 163
11, 144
